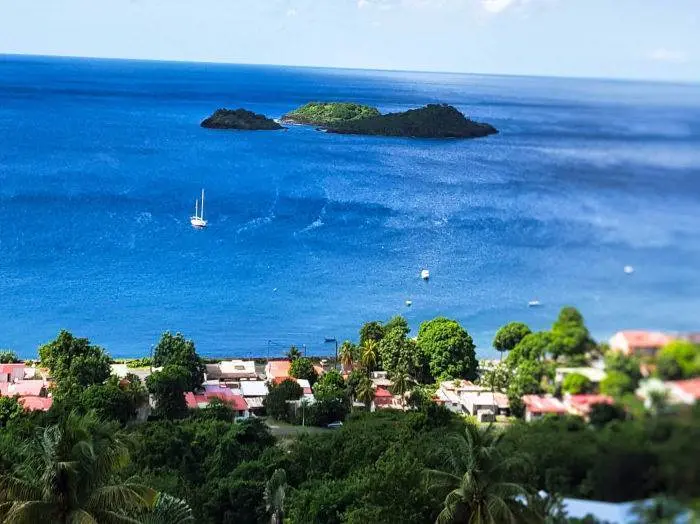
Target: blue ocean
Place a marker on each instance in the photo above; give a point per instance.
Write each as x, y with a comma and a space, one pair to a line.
312, 234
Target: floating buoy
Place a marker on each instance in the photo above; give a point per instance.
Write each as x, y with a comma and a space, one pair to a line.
628, 270
425, 274
409, 303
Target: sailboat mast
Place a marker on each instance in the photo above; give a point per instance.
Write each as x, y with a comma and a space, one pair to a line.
196, 208
202, 217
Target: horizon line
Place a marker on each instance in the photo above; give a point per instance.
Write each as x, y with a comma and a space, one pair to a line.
368, 69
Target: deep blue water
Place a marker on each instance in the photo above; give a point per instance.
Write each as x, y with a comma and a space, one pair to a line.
312, 234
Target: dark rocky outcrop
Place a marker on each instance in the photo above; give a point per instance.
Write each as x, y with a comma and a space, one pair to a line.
239, 119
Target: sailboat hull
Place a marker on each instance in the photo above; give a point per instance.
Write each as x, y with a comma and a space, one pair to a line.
198, 223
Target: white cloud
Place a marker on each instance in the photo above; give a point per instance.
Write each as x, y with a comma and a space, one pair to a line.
291, 12
497, 6
361, 4
667, 55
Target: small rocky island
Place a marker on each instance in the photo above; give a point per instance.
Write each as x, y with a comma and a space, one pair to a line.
239, 119
326, 114
431, 121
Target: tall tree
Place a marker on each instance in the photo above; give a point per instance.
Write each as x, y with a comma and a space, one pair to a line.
67, 477
347, 355
167, 509
369, 355
293, 353
168, 387
448, 349
402, 383
509, 336
365, 392
571, 333
303, 368
176, 350
74, 363
477, 480
275, 490
371, 331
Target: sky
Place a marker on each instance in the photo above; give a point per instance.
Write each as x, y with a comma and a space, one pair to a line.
648, 39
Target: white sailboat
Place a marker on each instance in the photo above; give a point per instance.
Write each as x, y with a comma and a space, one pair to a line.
198, 219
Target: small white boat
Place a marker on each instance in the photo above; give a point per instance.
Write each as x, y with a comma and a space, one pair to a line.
197, 220
409, 303
425, 274
534, 303
628, 270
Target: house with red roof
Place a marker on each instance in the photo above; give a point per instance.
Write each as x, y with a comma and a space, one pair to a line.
277, 370
31, 388
383, 398
581, 405
639, 343
36, 403
537, 406
11, 372
225, 395
684, 391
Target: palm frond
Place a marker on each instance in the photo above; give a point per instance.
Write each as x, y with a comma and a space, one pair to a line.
30, 512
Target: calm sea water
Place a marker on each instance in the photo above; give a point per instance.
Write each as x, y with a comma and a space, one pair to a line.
312, 234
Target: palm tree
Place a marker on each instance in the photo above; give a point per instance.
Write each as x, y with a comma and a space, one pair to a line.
369, 354
67, 474
402, 382
347, 355
293, 353
474, 475
661, 510
365, 392
167, 510
274, 496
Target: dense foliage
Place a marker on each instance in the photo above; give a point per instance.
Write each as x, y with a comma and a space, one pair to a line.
176, 350
303, 368
329, 113
510, 335
74, 363
168, 388
575, 384
448, 349
679, 359
431, 121
239, 119
8, 357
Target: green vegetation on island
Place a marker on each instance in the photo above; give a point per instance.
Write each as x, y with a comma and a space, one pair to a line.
329, 113
239, 119
431, 121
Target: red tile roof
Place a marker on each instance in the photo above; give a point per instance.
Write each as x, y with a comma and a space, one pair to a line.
278, 368
8, 368
690, 386
583, 403
237, 402
30, 388
646, 339
538, 404
381, 392
36, 403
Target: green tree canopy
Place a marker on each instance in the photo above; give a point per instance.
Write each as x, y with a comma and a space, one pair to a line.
398, 352
371, 331
276, 400
74, 362
679, 359
331, 385
448, 349
175, 350
576, 383
497, 378
293, 353
532, 347
10, 409
510, 335
571, 334
116, 399
617, 384
168, 388
303, 368
8, 356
